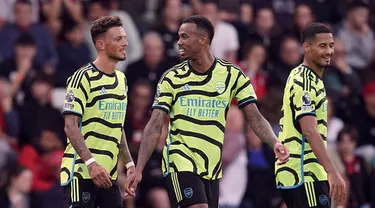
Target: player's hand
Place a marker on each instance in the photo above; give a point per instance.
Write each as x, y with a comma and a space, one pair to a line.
99, 175
337, 186
130, 170
281, 152
131, 183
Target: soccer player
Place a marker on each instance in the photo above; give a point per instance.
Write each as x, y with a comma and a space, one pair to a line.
197, 94
94, 113
303, 128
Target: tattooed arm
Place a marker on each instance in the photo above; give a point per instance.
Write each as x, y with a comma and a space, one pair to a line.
75, 136
151, 135
259, 125
263, 130
98, 174
124, 154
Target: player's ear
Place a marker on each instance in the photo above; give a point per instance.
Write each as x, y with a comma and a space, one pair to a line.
203, 39
306, 47
100, 44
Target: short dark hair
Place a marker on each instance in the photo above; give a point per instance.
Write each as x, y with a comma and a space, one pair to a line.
105, 4
25, 39
27, 2
312, 30
203, 24
347, 130
103, 24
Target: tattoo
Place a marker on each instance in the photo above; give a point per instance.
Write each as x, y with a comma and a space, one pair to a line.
151, 135
75, 137
124, 153
259, 124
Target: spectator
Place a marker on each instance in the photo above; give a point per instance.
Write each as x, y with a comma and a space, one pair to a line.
73, 54
260, 174
225, 42
228, 12
363, 118
340, 79
289, 57
266, 31
7, 14
303, 16
253, 66
37, 112
246, 13
334, 124
355, 168
9, 118
15, 193
355, 32
140, 100
46, 53
233, 182
153, 63
22, 68
151, 189
327, 11
169, 12
43, 158
98, 8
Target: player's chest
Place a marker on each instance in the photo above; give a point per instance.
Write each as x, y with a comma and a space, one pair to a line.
107, 100
202, 100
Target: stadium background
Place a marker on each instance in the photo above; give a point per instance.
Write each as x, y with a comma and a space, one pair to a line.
42, 42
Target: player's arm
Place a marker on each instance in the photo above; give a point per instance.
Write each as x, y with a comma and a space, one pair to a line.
305, 114
124, 153
260, 125
75, 136
151, 135
246, 99
309, 127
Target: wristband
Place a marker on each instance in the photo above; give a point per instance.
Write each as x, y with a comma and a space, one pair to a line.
129, 164
89, 161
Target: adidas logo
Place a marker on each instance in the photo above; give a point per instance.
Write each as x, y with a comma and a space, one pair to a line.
103, 91
186, 87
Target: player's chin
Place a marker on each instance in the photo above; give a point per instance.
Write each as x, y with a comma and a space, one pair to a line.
184, 56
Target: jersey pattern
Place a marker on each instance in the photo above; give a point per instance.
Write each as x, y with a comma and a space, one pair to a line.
100, 100
304, 94
198, 104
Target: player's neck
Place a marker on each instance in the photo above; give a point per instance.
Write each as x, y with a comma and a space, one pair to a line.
203, 62
317, 69
105, 64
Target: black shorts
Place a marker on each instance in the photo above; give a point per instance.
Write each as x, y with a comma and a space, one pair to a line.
84, 193
310, 194
186, 189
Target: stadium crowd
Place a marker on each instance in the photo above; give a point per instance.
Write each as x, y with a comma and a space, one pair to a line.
44, 41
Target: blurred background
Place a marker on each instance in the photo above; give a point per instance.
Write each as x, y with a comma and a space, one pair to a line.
42, 42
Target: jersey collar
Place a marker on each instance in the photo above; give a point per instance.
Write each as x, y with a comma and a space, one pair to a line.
316, 75
96, 69
212, 67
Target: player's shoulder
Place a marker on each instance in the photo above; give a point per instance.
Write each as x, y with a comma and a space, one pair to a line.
302, 78
81, 73
176, 69
221, 63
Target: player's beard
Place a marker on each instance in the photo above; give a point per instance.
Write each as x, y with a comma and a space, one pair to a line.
116, 58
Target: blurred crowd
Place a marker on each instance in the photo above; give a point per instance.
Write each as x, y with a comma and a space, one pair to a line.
42, 42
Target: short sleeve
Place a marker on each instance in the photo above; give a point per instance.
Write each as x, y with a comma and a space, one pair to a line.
245, 93
163, 96
304, 103
76, 95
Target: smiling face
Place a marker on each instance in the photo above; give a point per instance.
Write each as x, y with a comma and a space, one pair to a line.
320, 49
190, 40
114, 43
